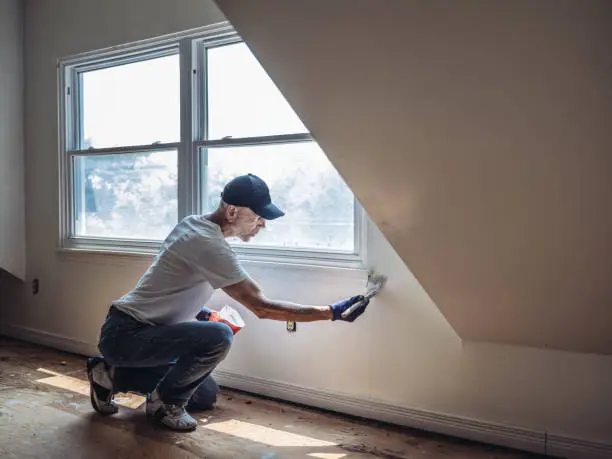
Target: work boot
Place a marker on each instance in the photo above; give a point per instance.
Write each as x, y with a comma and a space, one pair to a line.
171, 415
101, 391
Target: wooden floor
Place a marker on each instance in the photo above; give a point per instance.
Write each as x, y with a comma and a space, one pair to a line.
44, 413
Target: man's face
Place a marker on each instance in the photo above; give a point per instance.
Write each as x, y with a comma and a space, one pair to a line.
247, 223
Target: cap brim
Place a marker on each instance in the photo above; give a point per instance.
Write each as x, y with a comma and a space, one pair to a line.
269, 212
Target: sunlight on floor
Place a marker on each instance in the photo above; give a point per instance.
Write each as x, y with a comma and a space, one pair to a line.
241, 429
82, 387
266, 435
327, 455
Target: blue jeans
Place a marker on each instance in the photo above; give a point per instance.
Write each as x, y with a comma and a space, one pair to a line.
177, 359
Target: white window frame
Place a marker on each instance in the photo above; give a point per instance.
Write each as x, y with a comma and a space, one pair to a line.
190, 46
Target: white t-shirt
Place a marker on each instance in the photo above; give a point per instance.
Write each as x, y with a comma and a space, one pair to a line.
195, 259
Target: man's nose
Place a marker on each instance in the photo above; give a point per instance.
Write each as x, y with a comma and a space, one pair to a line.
262, 223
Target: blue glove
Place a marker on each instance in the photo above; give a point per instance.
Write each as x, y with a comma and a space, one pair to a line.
204, 314
341, 306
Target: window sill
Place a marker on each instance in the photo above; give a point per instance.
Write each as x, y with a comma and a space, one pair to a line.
346, 266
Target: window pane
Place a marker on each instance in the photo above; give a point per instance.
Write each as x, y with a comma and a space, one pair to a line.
319, 207
131, 104
131, 196
242, 99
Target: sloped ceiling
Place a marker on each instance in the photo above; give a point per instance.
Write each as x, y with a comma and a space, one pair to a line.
478, 136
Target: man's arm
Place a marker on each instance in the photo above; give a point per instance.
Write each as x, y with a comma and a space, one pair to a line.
249, 294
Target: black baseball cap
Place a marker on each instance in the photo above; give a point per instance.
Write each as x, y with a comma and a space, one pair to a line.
252, 192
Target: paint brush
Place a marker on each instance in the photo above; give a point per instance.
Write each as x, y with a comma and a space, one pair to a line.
375, 284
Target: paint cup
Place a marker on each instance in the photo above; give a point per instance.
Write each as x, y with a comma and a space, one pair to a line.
228, 316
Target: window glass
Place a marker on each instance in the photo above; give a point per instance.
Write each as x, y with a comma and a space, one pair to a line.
126, 196
242, 99
131, 104
319, 207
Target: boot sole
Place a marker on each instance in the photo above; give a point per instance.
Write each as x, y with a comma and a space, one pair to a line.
92, 397
178, 429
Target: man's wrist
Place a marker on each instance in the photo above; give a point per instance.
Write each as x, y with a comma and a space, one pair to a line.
328, 314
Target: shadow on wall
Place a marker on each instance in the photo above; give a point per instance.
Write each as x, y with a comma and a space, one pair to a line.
12, 295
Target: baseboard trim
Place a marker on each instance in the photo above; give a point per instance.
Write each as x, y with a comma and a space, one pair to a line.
562, 446
487, 432
45, 338
513, 437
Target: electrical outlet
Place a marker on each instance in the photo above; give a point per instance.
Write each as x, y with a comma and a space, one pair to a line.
35, 286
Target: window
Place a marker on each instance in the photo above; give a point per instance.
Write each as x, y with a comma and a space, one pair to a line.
125, 139
153, 131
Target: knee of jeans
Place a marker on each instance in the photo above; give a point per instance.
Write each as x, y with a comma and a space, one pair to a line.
220, 336
205, 397
226, 337
198, 404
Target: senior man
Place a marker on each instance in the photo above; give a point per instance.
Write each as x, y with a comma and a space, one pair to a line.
157, 339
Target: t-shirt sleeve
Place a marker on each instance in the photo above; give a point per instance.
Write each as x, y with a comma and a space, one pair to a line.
218, 263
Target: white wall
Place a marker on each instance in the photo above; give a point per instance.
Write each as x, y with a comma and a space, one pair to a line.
402, 352
12, 202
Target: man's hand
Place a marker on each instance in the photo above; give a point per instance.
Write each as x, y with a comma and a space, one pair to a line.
204, 314
341, 306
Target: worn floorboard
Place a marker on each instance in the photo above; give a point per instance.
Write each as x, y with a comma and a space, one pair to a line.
45, 414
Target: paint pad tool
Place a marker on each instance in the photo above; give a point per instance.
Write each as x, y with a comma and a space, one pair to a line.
375, 284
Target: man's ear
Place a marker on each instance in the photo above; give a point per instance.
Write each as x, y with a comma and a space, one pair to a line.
231, 213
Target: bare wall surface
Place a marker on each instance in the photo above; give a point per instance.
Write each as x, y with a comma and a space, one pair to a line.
12, 202
403, 352
477, 135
